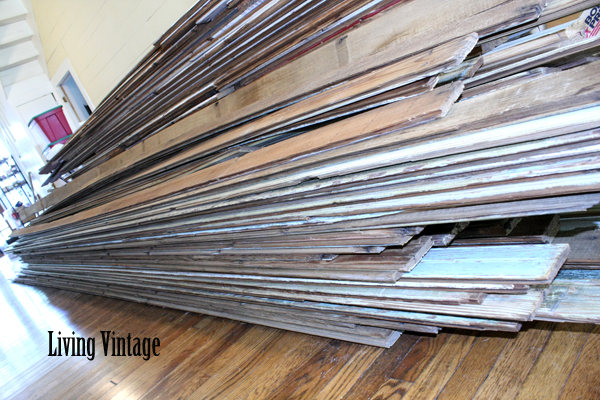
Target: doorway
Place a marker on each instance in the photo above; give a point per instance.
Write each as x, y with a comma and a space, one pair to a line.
72, 95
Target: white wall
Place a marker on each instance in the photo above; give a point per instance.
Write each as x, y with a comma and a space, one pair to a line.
25, 88
102, 39
97, 41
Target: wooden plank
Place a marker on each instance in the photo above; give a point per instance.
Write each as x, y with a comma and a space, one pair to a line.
455, 263
590, 45
583, 382
505, 379
322, 280
554, 10
582, 236
378, 374
398, 74
217, 49
475, 367
547, 377
430, 124
435, 376
392, 315
574, 296
325, 364
431, 105
371, 336
392, 389
349, 374
315, 293
499, 84
485, 17
515, 307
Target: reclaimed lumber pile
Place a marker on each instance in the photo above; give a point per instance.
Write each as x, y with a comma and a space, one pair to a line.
396, 177
582, 234
217, 46
351, 52
574, 296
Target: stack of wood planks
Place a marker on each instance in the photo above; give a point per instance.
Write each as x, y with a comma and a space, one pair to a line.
575, 293
397, 176
217, 46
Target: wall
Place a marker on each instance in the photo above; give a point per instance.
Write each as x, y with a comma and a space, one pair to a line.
102, 39
25, 89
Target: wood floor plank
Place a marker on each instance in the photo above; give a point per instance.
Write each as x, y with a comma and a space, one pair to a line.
307, 381
294, 360
419, 357
584, 381
513, 365
382, 368
343, 381
476, 366
238, 384
554, 365
156, 320
441, 368
246, 354
174, 354
392, 389
46, 376
167, 330
189, 376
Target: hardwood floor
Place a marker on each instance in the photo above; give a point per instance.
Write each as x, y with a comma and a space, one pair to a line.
203, 357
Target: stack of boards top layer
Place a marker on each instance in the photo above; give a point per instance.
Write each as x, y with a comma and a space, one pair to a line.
354, 50
396, 177
218, 46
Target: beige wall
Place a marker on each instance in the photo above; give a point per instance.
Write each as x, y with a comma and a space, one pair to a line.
103, 39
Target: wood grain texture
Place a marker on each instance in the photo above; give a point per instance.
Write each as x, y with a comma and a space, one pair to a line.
316, 68
181, 382
346, 377
249, 362
225, 381
453, 263
262, 381
553, 367
507, 376
476, 366
392, 389
377, 375
317, 371
396, 75
441, 368
419, 357
298, 199
404, 113
583, 382
572, 297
